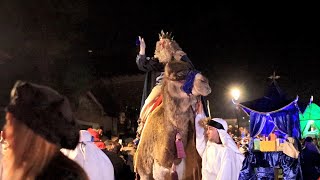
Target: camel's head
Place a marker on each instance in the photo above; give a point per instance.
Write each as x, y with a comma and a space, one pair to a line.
191, 81
177, 70
201, 86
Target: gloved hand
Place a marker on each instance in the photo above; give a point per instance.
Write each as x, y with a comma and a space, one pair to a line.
178, 54
142, 46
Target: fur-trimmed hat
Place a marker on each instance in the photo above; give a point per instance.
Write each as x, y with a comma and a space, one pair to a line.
46, 112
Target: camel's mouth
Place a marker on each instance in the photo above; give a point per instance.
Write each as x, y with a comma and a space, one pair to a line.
208, 92
201, 91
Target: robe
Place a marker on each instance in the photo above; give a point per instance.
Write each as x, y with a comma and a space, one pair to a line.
92, 159
219, 161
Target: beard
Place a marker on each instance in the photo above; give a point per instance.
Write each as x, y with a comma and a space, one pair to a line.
163, 51
164, 56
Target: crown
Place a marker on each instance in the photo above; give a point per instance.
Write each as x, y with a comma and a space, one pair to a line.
166, 35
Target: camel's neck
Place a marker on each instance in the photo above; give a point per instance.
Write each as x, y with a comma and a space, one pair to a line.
177, 105
174, 98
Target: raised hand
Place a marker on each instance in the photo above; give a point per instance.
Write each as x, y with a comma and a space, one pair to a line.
199, 107
1, 137
142, 46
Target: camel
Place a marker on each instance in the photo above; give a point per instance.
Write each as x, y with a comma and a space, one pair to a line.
156, 153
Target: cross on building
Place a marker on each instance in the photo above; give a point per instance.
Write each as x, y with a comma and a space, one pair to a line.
273, 77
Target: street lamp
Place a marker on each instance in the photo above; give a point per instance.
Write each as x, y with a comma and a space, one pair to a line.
235, 93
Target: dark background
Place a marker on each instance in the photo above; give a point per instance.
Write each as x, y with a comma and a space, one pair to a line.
70, 45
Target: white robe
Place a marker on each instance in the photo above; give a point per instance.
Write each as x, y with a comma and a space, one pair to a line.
96, 163
219, 161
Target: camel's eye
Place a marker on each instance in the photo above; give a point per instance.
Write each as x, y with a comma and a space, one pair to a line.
203, 80
181, 75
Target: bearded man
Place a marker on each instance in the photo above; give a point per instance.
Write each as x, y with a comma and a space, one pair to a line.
166, 50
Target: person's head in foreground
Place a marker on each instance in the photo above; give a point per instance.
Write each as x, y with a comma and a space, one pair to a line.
213, 127
39, 122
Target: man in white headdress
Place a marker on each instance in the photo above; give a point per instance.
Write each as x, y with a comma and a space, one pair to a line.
221, 158
94, 161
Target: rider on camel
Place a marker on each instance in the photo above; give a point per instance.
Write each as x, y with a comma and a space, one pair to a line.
166, 50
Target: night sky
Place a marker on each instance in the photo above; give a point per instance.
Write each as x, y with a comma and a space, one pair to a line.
231, 43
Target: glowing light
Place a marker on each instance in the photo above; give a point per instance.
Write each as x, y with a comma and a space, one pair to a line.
235, 93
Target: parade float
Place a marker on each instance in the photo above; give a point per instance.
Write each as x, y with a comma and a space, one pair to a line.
310, 121
274, 136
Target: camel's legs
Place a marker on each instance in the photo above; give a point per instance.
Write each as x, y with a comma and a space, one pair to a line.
181, 168
145, 177
159, 172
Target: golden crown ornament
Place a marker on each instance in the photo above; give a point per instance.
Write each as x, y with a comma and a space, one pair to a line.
165, 35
